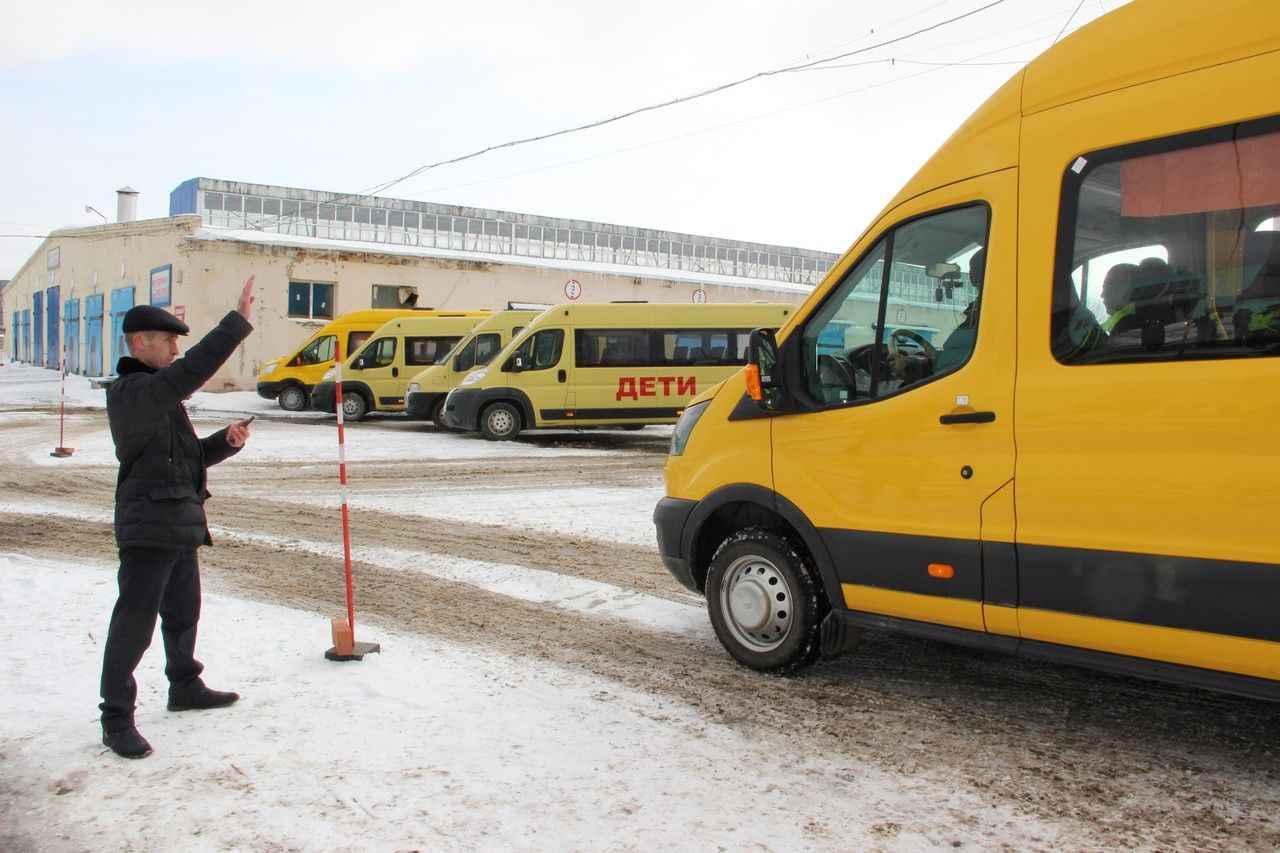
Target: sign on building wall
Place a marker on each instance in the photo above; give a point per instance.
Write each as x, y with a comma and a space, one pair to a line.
53, 258
160, 280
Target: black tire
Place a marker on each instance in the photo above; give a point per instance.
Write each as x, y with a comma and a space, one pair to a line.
354, 407
500, 422
437, 412
292, 398
765, 601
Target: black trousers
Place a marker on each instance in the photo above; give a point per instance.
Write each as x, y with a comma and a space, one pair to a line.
153, 581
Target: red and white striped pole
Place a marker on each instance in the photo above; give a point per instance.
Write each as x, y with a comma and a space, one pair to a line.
344, 645
62, 451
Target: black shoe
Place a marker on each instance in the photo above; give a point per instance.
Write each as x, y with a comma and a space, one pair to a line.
127, 743
200, 697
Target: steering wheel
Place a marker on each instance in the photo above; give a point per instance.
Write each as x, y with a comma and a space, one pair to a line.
897, 336
839, 372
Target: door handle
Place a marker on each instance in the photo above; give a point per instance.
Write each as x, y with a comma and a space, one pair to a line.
561, 376
967, 418
395, 371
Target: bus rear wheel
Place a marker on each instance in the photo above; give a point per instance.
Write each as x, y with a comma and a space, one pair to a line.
500, 422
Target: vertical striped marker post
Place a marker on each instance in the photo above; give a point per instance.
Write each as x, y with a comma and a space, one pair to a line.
344, 645
62, 451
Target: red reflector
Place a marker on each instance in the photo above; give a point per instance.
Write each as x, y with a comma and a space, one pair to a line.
941, 570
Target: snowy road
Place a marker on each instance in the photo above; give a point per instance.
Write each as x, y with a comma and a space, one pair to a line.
544, 682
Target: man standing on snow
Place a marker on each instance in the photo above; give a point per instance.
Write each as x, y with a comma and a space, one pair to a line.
159, 518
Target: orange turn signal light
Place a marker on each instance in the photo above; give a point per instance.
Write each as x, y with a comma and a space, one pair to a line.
941, 570
754, 391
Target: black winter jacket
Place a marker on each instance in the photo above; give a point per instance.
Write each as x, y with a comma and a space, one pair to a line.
161, 488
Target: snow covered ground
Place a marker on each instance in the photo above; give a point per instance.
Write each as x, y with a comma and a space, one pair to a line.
430, 744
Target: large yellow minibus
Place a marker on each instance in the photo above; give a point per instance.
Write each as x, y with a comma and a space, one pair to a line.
1033, 407
623, 364
374, 377
425, 395
289, 379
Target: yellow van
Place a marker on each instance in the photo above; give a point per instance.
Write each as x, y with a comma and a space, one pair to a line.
424, 398
614, 364
374, 377
949, 440
289, 380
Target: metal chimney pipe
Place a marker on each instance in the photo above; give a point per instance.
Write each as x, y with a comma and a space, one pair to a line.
126, 204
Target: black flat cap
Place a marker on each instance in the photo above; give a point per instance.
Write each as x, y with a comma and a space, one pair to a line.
149, 318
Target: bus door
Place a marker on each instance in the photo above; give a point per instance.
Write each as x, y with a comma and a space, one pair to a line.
378, 365
898, 443
540, 368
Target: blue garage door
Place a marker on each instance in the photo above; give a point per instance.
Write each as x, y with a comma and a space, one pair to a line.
93, 335
121, 301
37, 327
53, 312
71, 333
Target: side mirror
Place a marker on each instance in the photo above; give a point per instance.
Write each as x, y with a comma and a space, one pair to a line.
764, 376
359, 363
295, 361
516, 363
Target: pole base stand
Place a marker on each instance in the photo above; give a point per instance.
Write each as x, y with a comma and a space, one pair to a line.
62, 452
357, 652
344, 648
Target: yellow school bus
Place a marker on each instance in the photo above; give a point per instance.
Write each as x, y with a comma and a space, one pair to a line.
289, 379
374, 377
623, 364
425, 395
953, 438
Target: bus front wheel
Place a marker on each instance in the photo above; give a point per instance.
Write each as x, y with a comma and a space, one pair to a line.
293, 398
353, 406
765, 602
500, 422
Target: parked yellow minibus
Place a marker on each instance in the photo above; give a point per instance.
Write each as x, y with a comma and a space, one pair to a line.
954, 438
374, 378
288, 380
624, 364
425, 395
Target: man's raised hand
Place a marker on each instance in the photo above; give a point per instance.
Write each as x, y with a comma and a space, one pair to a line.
246, 297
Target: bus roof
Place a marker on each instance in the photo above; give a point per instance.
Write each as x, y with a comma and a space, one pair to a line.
1142, 41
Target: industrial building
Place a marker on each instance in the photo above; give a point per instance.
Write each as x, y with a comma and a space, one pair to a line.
319, 254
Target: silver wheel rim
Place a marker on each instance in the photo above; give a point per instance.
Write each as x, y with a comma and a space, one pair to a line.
501, 422
351, 406
756, 601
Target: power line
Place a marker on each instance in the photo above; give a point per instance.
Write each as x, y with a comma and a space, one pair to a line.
650, 108
672, 102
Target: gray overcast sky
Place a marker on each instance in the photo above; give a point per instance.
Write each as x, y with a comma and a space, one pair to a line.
346, 96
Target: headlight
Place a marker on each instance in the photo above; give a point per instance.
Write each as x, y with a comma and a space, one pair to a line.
684, 426
412, 389
475, 376
329, 375
269, 369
